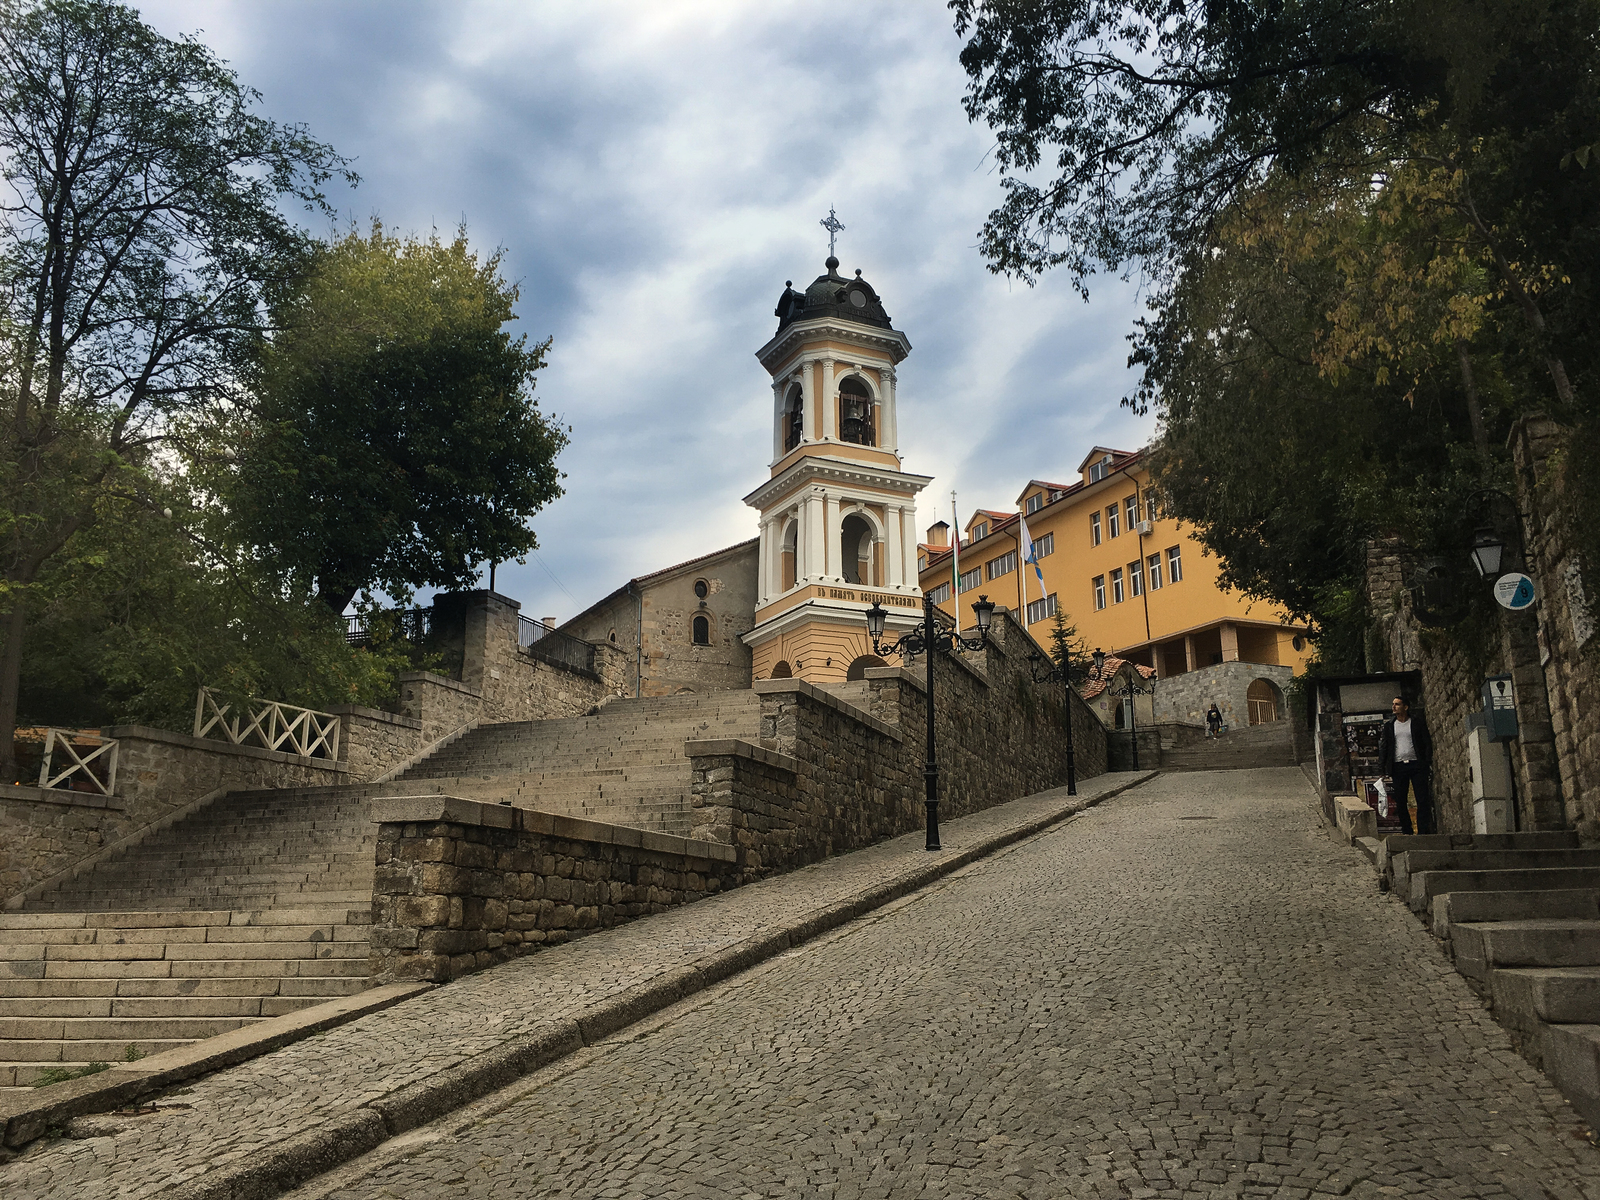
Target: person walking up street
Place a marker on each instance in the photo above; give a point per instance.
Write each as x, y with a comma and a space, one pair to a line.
1406, 756
1213, 722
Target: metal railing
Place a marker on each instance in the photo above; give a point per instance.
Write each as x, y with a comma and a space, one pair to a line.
80, 768
272, 725
553, 646
412, 625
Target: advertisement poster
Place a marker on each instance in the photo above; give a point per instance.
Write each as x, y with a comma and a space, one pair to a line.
1376, 794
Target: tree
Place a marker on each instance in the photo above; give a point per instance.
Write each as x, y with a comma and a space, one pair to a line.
141, 243
394, 441
1068, 650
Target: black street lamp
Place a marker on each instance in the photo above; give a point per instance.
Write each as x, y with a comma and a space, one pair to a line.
1127, 692
926, 637
1044, 670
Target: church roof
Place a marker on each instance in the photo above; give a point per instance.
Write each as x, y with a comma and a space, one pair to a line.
832, 295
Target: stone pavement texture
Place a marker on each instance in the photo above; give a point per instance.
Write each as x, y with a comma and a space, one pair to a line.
253, 1129
1137, 1003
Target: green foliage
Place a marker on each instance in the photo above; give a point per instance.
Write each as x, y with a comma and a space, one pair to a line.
141, 243
62, 1074
394, 442
1068, 650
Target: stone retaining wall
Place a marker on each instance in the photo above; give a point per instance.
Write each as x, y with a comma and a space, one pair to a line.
828, 777
462, 885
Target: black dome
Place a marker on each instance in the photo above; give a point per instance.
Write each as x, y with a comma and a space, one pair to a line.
832, 295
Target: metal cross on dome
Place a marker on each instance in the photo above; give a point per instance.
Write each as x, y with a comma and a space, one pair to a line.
833, 225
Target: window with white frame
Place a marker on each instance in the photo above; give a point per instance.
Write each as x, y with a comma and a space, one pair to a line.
1033, 503
1113, 520
980, 531
1003, 565
1042, 610
1099, 470
1136, 577
941, 593
1094, 528
922, 562
1117, 596
1099, 592
1152, 511
1130, 510
1044, 545
1154, 563
1174, 565
970, 579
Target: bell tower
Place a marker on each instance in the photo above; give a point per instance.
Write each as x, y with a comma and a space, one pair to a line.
838, 515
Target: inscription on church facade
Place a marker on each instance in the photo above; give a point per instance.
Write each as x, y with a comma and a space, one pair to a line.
868, 597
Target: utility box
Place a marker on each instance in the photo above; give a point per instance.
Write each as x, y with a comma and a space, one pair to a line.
1500, 708
1490, 771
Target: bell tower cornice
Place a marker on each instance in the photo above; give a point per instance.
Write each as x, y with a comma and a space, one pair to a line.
793, 339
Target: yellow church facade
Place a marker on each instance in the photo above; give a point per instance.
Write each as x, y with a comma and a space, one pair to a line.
838, 514
1132, 579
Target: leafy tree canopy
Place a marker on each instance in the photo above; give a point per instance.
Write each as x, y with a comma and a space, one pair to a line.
394, 441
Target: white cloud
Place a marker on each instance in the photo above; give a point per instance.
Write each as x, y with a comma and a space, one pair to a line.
655, 172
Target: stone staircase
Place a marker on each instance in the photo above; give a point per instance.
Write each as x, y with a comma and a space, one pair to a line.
259, 903
624, 766
254, 906
1520, 916
1242, 747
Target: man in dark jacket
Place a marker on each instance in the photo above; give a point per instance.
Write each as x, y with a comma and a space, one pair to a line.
1406, 757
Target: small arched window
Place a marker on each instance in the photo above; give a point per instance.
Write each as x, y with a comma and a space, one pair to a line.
702, 631
855, 412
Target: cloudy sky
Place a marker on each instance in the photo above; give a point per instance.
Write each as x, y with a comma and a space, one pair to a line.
655, 171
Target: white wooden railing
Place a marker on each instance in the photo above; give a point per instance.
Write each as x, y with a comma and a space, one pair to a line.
271, 725
62, 744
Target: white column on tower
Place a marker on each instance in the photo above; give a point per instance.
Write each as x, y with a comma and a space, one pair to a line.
830, 416
889, 435
764, 562
908, 542
813, 528
835, 561
779, 430
808, 402
894, 560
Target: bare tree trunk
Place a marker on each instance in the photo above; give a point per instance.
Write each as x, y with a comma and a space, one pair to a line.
1480, 436
10, 681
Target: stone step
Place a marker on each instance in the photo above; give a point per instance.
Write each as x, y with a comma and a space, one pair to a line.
107, 1029
339, 913
1414, 862
1527, 999
1512, 906
52, 1051
1421, 888
1571, 1057
1482, 947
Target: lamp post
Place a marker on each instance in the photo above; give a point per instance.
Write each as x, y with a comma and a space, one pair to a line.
927, 638
1127, 691
1056, 673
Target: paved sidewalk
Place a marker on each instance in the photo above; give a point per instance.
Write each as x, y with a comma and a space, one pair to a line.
1190, 992
263, 1126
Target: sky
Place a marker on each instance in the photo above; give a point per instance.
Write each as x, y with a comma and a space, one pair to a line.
654, 172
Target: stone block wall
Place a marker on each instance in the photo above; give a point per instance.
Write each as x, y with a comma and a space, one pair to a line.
160, 774
1185, 698
460, 885
828, 777
372, 742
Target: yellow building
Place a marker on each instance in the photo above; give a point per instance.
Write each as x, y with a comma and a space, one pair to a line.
838, 515
1134, 582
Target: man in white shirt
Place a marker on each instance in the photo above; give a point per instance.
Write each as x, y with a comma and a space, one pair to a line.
1406, 756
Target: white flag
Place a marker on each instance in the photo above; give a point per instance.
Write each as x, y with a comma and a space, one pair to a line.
1030, 554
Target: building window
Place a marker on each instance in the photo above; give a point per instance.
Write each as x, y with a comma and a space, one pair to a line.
1094, 528
1044, 545
1151, 512
970, 579
1042, 610
702, 631
1174, 566
702, 589
1033, 503
1099, 470
941, 593
1154, 563
1099, 592
1113, 521
1136, 577
1003, 565
1131, 511
855, 413
980, 531
922, 563
1116, 586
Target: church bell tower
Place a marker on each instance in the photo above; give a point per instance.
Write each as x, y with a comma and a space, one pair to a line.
838, 515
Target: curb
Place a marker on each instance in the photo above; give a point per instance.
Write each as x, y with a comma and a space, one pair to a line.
287, 1164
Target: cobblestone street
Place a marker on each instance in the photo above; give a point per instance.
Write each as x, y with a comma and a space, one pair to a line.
1189, 991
